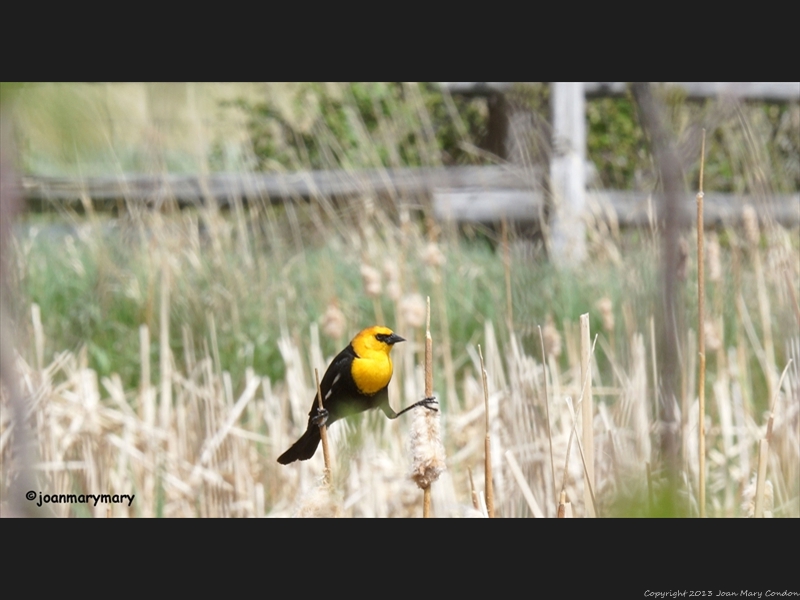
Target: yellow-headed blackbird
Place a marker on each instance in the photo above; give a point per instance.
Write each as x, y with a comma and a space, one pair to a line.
356, 380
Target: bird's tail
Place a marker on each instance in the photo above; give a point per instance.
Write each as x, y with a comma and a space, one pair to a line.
302, 449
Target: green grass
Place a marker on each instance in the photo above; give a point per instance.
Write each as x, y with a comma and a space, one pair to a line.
98, 286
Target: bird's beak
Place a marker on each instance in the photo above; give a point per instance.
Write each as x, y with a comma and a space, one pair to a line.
394, 338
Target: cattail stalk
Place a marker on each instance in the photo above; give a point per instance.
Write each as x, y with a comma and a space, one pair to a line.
701, 337
507, 268
473, 492
38, 335
426, 445
165, 354
323, 434
426, 509
147, 413
587, 412
146, 406
763, 452
564, 507
591, 508
547, 413
487, 442
795, 304
765, 313
753, 235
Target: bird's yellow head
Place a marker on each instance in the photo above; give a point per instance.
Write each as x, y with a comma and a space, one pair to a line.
372, 368
377, 339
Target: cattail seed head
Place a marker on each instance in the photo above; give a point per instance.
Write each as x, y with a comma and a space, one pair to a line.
714, 264
433, 256
372, 281
712, 338
552, 339
413, 309
333, 322
393, 290
320, 502
606, 309
390, 270
750, 225
749, 499
426, 447
683, 259
392, 275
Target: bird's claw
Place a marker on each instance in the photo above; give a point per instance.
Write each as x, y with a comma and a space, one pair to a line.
321, 417
426, 402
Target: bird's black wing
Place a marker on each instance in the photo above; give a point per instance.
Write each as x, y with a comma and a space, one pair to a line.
337, 385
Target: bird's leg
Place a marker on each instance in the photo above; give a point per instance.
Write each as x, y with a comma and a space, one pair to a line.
426, 402
321, 417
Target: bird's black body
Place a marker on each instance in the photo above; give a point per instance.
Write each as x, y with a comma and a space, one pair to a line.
356, 380
340, 397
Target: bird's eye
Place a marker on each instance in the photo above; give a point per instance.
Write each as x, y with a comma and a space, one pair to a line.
381, 337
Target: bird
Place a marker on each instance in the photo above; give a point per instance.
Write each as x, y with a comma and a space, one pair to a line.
356, 380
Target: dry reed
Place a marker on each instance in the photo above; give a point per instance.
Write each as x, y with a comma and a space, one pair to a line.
323, 434
701, 337
487, 460
547, 414
587, 411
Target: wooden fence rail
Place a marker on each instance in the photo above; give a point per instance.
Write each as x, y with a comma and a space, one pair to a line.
276, 187
483, 194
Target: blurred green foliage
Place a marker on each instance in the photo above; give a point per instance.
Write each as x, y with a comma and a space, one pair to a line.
751, 147
616, 143
359, 125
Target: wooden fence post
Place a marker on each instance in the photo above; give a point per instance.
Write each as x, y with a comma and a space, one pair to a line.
567, 173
